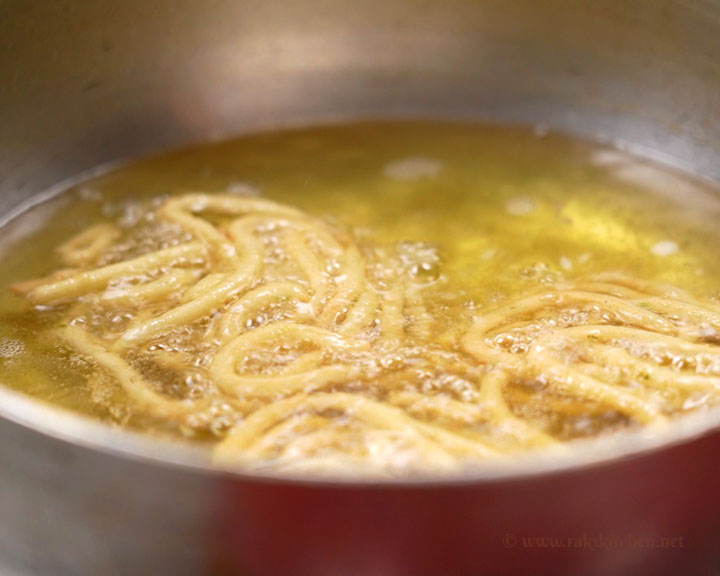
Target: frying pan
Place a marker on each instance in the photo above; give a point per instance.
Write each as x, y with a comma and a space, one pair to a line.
87, 83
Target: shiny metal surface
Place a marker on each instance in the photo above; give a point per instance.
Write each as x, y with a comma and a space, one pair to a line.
84, 83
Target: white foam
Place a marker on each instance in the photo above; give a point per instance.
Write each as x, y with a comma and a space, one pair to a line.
10, 347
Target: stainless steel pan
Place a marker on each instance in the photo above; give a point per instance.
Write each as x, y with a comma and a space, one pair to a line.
83, 83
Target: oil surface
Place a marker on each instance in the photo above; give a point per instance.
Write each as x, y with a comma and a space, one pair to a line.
503, 210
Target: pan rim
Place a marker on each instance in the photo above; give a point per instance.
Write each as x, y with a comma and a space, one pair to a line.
62, 425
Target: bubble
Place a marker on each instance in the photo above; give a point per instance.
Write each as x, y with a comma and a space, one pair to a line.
541, 130
566, 263
89, 193
132, 213
221, 424
664, 248
520, 206
412, 169
608, 158
242, 189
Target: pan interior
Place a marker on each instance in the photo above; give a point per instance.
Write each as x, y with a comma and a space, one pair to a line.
474, 217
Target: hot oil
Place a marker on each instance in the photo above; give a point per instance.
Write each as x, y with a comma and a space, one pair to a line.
482, 212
